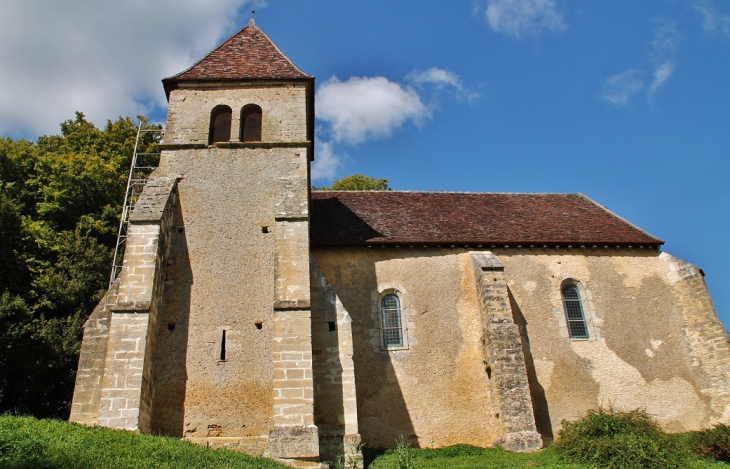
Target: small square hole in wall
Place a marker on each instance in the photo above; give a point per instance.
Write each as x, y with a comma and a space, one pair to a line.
332, 326
171, 326
264, 229
259, 325
180, 229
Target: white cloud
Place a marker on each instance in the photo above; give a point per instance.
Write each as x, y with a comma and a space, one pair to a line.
101, 58
665, 43
620, 88
661, 74
363, 108
666, 39
441, 79
714, 21
326, 162
435, 75
524, 18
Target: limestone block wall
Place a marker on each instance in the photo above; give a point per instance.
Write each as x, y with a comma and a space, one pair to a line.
124, 330
708, 343
232, 286
655, 341
335, 395
284, 117
92, 359
436, 392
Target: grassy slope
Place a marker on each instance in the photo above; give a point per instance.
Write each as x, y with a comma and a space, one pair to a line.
26, 442
470, 457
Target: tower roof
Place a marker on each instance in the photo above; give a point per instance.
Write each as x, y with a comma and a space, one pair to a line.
247, 55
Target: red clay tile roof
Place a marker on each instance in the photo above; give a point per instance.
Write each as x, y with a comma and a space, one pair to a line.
390, 217
248, 54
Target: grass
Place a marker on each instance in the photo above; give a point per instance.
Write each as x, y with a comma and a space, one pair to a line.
471, 457
29, 443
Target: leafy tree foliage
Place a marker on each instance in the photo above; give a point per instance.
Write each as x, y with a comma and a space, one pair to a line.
357, 182
60, 200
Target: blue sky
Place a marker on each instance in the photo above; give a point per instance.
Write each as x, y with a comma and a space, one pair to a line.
625, 101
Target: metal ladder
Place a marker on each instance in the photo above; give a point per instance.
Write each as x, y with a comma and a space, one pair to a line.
138, 175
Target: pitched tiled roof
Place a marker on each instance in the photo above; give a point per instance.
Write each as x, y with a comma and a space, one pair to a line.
401, 218
248, 54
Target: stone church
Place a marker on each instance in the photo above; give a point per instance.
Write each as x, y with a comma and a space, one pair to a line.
256, 314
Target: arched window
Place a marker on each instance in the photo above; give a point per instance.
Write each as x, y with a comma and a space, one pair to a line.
577, 327
391, 324
251, 123
220, 125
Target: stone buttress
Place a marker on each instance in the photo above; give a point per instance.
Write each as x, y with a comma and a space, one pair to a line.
504, 356
114, 383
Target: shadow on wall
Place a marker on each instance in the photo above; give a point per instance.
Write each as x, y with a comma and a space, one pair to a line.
329, 408
537, 392
170, 373
383, 416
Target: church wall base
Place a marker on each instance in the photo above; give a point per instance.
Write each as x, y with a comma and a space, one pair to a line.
300, 442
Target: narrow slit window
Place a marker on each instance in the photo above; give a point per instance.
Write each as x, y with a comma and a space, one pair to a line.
577, 327
223, 345
251, 123
392, 326
220, 125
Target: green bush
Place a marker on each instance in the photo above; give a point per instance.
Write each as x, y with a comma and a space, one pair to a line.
619, 440
713, 443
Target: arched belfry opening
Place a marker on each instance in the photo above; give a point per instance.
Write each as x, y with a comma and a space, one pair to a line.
251, 123
220, 125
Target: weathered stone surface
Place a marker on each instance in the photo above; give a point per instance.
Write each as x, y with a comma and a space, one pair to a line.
335, 399
435, 392
504, 355
92, 360
283, 107
154, 200
294, 442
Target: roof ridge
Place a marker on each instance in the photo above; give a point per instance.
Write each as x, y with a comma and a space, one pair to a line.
253, 24
450, 192
215, 49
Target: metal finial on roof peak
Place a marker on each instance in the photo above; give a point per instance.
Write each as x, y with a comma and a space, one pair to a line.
253, 13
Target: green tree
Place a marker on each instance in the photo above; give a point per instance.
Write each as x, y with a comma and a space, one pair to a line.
357, 182
60, 200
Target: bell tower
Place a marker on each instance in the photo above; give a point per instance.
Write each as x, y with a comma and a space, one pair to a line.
233, 365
